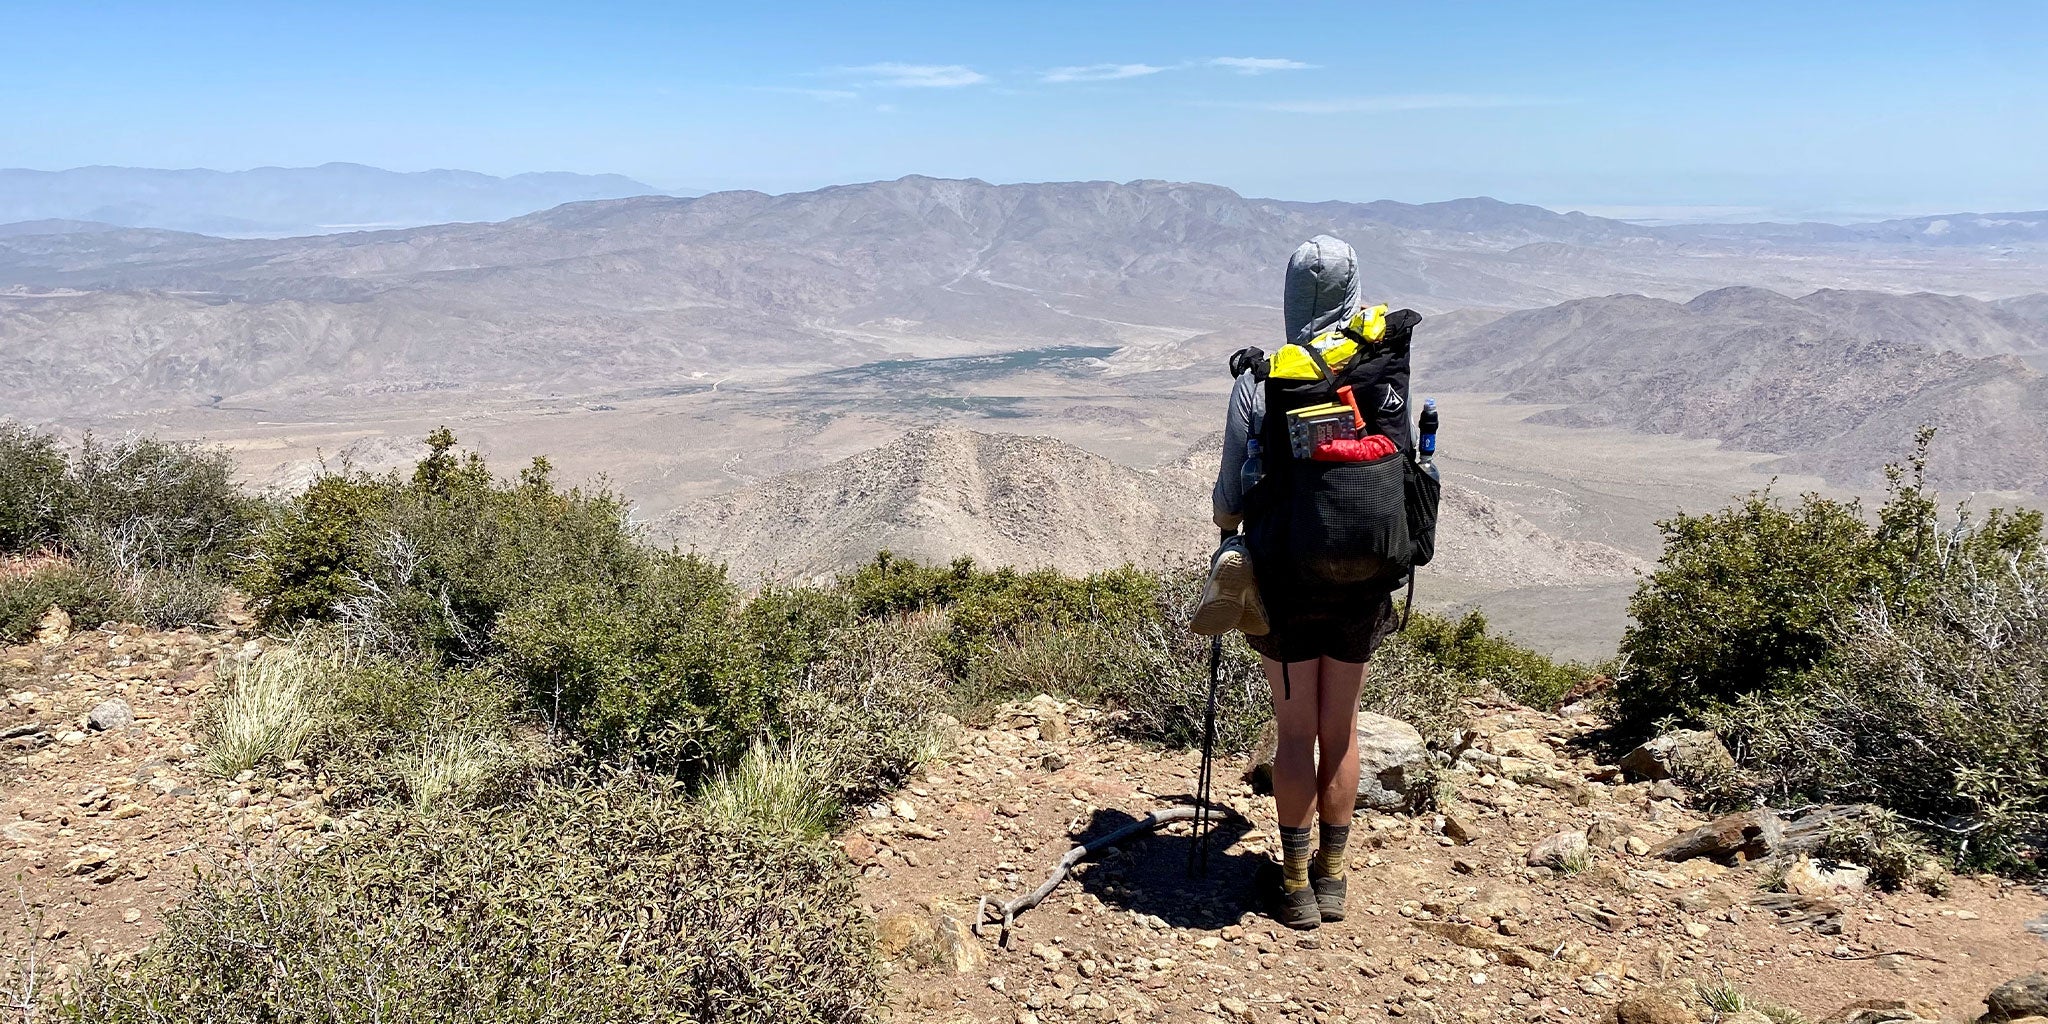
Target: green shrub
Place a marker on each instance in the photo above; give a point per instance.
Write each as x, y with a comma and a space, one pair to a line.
315, 550
662, 673
25, 597
35, 489
1465, 648
1750, 599
610, 900
425, 565
890, 585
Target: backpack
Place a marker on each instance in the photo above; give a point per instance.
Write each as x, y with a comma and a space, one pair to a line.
1341, 527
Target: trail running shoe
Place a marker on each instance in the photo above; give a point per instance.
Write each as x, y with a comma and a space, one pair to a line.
1298, 909
1230, 598
1329, 892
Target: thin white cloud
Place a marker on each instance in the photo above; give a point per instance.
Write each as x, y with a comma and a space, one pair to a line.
830, 95
1100, 72
1388, 104
1257, 65
917, 76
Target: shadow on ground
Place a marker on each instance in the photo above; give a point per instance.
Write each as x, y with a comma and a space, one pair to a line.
1150, 874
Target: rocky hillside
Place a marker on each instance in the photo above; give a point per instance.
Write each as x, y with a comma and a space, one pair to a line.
1039, 502
1548, 886
1836, 380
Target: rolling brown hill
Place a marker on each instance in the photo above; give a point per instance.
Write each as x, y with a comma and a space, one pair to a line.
1034, 502
1837, 380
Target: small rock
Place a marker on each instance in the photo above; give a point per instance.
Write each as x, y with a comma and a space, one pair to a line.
902, 932
110, 715
54, 627
1808, 878
903, 809
1561, 852
958, 945
1459, 830
131, 915
1676, 1003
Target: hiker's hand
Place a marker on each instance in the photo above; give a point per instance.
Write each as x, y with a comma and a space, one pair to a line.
1245, 359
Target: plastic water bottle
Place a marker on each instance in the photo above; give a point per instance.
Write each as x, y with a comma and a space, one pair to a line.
1425, 448
1249, 473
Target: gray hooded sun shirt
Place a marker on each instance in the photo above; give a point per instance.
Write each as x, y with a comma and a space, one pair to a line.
1321, 290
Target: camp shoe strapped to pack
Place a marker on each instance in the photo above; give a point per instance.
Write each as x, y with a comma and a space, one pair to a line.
1230, 598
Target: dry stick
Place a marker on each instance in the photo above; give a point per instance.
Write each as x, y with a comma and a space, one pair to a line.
1914, 953
1149, 823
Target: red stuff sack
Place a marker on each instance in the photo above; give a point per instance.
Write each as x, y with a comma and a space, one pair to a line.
1365, 449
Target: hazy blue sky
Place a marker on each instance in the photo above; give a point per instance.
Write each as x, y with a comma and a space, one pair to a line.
1792, 107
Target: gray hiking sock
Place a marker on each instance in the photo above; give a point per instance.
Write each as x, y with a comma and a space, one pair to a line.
1330, 858
1294, 857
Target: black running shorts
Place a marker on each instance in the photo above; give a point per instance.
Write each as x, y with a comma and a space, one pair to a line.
1339, 630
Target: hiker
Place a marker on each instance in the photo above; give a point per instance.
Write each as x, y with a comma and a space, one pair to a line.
1314, 596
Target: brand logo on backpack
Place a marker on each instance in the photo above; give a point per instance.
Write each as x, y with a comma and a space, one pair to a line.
1393, 402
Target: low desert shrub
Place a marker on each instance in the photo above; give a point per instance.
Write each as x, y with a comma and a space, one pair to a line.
663, 673
1753, 598
1939, 715
868, 710
605, 899
35, 489
29, 594
1465, 648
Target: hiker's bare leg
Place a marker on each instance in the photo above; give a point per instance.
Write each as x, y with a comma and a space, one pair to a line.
1337, 686
1294, 760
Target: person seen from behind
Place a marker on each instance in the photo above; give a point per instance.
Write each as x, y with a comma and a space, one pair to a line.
1310, 561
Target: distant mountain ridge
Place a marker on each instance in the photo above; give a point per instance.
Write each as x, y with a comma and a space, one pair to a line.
1836, 380
291, 200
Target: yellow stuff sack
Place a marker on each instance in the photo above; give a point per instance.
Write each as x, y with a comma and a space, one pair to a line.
1337, 346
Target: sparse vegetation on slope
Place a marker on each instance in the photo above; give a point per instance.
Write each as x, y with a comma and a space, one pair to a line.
1897, 659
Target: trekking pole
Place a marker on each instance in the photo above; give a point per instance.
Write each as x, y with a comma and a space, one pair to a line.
1198, 854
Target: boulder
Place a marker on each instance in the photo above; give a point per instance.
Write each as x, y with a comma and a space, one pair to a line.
1563, 851
2018, 999
1393, 763
110, 715
1684, 754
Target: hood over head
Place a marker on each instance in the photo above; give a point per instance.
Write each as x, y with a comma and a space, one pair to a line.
1322, 286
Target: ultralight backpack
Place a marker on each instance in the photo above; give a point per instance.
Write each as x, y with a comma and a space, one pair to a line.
1343, 525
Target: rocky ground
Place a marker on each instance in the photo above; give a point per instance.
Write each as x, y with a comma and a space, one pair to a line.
1452, 918
106, 808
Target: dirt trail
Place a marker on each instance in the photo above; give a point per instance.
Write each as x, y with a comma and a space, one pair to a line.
104, 817
1438, 930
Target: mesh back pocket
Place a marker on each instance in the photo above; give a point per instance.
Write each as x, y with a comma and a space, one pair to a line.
1348, 521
